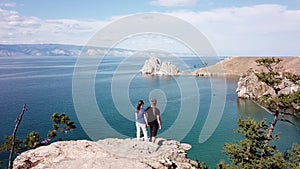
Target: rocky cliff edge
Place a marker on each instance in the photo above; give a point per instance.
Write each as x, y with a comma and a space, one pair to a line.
107, 153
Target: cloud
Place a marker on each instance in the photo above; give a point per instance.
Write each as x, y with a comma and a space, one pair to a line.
8, 4
267, 29
15, 28
172, 3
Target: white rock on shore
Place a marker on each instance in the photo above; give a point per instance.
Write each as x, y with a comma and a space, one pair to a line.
107, 153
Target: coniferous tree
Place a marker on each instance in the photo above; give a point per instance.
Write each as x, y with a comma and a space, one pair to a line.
32, 140
62, 122
293, 156
273, 78
6, 145
255, 150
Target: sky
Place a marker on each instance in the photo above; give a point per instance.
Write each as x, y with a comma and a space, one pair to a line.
233, 27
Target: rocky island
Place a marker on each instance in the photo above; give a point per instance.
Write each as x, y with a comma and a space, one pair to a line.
107, 153
154, 66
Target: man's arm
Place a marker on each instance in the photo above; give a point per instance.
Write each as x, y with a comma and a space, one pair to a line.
146, 119
158, 118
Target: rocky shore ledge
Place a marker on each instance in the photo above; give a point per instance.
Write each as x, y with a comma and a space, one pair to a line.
107, 153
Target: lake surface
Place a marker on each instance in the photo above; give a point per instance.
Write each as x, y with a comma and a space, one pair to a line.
101, 102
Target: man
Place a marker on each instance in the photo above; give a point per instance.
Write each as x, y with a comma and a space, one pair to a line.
153, 118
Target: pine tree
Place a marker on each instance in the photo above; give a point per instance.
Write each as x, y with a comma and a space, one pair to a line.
6, 145
62, 122
293, 157
280, 102
254, 151
32, 140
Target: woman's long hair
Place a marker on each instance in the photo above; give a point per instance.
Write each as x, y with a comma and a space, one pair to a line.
138, 107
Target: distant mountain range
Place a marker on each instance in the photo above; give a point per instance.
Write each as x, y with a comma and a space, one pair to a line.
58, 50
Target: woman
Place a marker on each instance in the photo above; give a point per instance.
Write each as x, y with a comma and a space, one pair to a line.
141, 120
153, 117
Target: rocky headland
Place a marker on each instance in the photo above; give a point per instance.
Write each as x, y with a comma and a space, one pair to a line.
107, 153
237, 66
250, 87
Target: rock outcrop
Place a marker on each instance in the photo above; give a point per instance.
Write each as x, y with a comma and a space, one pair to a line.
107, 153
154, 66
250, 87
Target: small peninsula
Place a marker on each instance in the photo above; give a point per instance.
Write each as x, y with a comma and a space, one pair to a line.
237, 66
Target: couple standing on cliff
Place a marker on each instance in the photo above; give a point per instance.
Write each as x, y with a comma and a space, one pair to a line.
149, 117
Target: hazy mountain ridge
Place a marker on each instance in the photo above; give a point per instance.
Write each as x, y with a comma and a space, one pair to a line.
58, 50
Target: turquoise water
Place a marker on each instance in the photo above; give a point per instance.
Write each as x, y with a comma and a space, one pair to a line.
45, 85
